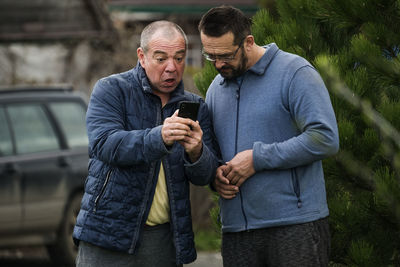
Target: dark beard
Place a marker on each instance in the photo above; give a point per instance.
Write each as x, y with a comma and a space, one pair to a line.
236, 72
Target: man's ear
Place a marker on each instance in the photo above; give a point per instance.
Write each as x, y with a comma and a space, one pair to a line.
248, 42
141, 57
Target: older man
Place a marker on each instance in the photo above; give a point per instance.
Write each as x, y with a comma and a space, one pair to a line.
136, 207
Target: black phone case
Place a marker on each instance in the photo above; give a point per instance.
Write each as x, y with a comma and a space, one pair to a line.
189, 110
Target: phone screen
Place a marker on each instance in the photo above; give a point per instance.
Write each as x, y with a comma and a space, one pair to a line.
189, 110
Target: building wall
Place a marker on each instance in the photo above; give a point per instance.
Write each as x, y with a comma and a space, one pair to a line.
78, 63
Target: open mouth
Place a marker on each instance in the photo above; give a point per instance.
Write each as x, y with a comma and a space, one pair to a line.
169, 82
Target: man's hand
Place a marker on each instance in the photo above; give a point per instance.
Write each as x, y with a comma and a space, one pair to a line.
240, 168
193, 140
173, 129
223, 186
185, 131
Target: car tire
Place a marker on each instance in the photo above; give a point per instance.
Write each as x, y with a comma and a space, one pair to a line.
63, 252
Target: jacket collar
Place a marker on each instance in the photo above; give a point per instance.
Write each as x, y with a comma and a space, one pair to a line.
262, 64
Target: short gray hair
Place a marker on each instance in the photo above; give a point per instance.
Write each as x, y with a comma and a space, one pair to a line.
168, 28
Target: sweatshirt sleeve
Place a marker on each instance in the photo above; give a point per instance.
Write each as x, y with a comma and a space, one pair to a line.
312, 113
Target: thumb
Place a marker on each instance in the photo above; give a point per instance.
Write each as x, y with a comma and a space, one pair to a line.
175, 113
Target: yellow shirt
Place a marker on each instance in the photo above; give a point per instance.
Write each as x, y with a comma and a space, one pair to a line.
159, 211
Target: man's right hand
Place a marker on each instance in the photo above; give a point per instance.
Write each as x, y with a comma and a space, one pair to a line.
174, 129
185, 131
223, 186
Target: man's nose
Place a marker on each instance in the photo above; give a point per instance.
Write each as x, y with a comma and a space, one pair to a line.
219, 63
171, 67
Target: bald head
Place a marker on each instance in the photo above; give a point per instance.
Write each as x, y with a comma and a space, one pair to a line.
167, 29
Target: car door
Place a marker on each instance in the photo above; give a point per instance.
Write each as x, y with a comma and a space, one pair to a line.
40, 161
10, 182
70, 116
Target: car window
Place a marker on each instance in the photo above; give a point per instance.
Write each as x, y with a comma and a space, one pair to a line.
71, 116
32, 129
5, 136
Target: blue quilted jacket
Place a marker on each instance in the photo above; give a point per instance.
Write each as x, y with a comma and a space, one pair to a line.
124, 121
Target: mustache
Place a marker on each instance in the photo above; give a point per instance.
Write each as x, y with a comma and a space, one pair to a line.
224, 68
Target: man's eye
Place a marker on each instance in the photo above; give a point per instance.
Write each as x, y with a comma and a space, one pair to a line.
160, 60
226, 58
179, 59
229, 56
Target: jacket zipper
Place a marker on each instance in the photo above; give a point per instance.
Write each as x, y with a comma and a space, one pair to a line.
236, 150
167, 171
147, 192
143, 211
103, 189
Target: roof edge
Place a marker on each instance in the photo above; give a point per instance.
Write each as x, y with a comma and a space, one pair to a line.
188, 9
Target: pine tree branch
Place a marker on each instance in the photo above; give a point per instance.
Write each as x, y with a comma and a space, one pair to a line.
383, 126
357, 169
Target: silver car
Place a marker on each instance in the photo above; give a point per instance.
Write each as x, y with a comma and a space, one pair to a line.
43, 165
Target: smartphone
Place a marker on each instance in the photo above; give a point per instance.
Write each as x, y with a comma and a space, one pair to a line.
189, 110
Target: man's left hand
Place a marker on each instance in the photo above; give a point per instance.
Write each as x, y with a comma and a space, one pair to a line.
193, 140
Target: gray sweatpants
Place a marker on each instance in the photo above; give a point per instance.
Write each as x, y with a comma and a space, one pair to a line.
305, 245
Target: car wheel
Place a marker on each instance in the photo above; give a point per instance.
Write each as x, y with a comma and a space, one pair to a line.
64, 251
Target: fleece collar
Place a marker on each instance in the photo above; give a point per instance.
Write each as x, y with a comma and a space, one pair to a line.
262, 64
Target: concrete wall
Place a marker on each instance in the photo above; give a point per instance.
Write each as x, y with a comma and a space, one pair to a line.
76, 63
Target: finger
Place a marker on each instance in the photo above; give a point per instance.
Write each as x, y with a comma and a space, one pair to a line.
240, 181
172, 135
194, 125
227, 169
183, 125
190, 124
233, 178
232, 173
180, 132
177, 123
193, 138
175, 113
220, 177
227, 196
231, 190
177, 130
226, 188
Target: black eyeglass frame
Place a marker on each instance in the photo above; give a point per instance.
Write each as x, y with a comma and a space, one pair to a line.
224, 59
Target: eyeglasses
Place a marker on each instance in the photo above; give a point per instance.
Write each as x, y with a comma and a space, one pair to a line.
224, 58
